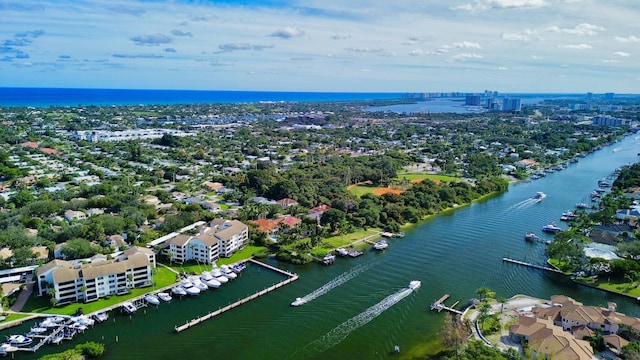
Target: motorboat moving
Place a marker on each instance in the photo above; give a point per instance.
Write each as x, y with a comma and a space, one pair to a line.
414, 284
297, 302
539, 195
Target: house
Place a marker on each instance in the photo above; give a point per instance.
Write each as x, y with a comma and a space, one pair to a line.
115, 241
286, 203
72, 215
210, 205
215, 186
73, 282
272, 226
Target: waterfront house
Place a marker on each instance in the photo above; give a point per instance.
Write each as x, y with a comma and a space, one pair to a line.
286, 203
73, 282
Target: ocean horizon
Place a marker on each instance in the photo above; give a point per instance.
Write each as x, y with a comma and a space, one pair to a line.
45, 97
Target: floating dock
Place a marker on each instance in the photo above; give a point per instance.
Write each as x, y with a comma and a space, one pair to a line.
291, 278
439, 305
523, 263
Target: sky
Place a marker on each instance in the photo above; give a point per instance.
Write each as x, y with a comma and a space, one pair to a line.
525, 46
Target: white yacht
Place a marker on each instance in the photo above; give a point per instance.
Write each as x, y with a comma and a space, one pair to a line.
19, 340
342, 252
381, 244
128, 307
164, 296
101, 316
189, 288
178, 291
297, 302
414, 284
227, 272
551, 227
152, 299
217, 273
209, 280
539, 195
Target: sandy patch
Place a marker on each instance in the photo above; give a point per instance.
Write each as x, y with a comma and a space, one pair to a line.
386, 191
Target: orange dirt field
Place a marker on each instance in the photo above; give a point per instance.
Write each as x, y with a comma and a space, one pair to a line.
387, 190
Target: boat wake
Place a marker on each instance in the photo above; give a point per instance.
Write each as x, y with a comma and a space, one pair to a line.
524, 204
343, 278
338, 334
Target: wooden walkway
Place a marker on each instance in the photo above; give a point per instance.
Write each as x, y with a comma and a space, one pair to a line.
531, 265
439, 305
194, 322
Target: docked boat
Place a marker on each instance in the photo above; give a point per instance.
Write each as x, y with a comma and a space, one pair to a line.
128, 307
209, 280
101, 316
342, 252
539, 195
19, 340
414, 284
328, 259
531, 237
152, 299
218, 275
83, 320
197, 283
239, 267
178, 291
582, 205
189, 288
380, 245
297, 302
227, 272
551, 227
164, 296
78, 326
37, 330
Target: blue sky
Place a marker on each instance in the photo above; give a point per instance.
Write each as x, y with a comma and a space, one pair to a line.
323, 45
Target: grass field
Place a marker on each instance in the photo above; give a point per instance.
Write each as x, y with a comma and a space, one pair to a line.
413, 177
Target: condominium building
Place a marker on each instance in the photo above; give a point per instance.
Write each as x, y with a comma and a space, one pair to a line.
73, 282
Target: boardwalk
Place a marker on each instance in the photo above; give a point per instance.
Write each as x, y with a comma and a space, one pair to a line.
532, 265
291, 278
439, 305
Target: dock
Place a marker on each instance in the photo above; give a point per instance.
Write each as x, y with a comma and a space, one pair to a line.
291, 278
439, 305
523, 263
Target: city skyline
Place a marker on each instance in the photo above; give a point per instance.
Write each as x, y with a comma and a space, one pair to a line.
552, 46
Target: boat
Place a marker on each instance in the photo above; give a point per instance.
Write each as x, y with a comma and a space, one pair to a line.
227, 272
197, 283
78, 326
342, 252
101, 316
37, 330
83, 320
380, 245
128, 307
539, 195
152, 299
57, 339
178, 291
414, 284
328, 259
551, 227
19, 340
209, 280
582, 205
218, 275
189, 288
531, 236
164, 296
298, 302
239, 267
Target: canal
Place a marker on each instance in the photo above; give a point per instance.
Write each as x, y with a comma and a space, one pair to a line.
359, 308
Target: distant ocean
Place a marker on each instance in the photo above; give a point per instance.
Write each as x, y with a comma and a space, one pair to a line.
43, 97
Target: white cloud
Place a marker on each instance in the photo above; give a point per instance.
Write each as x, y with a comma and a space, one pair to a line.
465, 56
480, 5
621, 54
583, 29
525, 35
501, 68
151, 40
466, 45
610, 61
416, 52
576, 46
628, 39
288, 32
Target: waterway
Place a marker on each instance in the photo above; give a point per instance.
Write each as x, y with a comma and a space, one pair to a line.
366, 312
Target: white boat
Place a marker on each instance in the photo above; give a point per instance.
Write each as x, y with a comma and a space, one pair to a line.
83, 319
551, 227
101, 316
78, 326
195, 279
128, 307
239, 267
164, 296
582, 205
297, 302
380, 245
178, 291
539, 195
209, 280
414, 284
37, 330
227, 272
189, 288
328, 259
152, 299
531, 237
217, 273
342, 252
19, 340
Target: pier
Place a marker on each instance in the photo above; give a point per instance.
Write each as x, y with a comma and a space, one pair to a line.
291, 278
439, 305
523, 263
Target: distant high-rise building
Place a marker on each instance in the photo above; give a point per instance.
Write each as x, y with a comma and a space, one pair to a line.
472, 100
511, 104
609, 95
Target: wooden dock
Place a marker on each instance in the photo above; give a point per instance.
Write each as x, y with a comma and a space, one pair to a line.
439, 305
523, 263
194, 322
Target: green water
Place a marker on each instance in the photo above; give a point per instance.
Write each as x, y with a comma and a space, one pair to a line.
455, 253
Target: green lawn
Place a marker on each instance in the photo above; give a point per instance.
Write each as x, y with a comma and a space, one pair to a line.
12, 317
344, 240
360, 190
422, 176
629, 289
41, 304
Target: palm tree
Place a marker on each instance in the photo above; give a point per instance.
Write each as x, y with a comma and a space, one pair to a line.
485, 293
